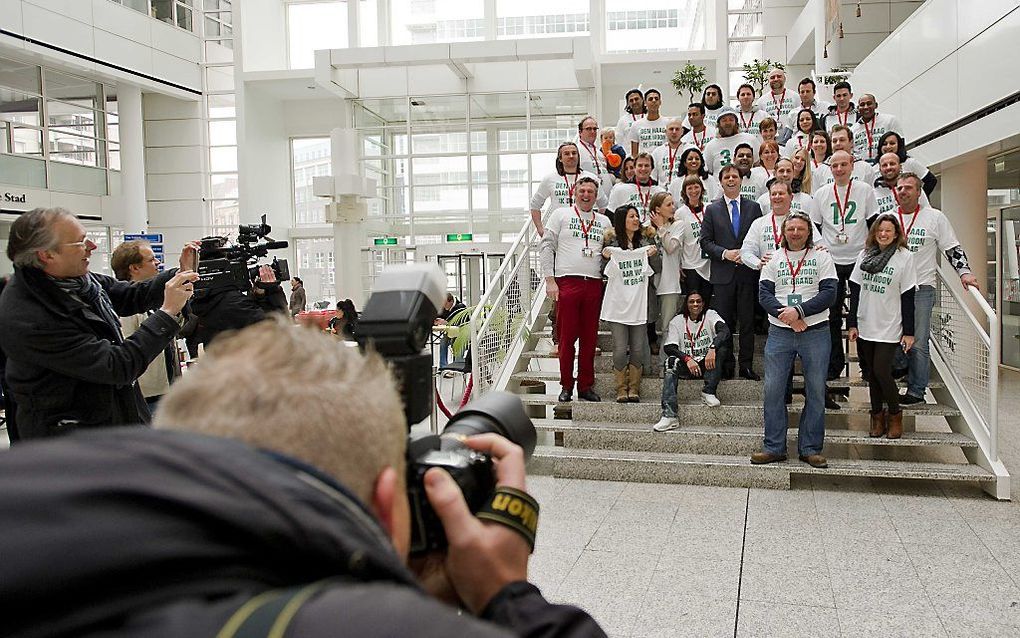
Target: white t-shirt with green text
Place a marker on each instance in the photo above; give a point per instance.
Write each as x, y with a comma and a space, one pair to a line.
928, 234
626, 296
844, 217
693, 337
878, 312
811, 267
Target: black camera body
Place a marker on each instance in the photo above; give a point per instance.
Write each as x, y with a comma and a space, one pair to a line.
223, 265
396, 323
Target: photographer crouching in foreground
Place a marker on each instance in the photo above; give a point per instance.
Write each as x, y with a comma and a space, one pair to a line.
259, 505
68, 363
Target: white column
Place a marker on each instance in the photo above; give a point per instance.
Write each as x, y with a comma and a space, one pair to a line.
132, 158
348, 239
965, 203
349, 231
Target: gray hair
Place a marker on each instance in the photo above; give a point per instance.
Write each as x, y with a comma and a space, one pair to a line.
32, 232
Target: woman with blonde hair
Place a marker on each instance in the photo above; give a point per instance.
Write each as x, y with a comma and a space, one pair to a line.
668, 234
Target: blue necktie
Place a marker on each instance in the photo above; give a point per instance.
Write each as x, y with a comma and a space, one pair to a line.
735, 215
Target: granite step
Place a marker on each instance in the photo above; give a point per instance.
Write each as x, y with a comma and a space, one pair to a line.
605, 340
730, 413
691, 439
728, 470
604, 360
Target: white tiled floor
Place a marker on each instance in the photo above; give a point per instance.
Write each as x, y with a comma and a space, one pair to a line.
831, 557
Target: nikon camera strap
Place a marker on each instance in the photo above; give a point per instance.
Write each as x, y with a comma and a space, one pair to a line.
269, 614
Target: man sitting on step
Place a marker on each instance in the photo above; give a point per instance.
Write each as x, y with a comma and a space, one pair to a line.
696, 345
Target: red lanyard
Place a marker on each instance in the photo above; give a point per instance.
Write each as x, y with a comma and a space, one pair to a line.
745, 123
672, 159
594, 157
766, 169
687, 329
643, 198
695, 213
794, 273
779, 103
842, 207
843, 120
776, 237
584, 229
869, 131
570, 188
814, 160
903, 225
694, 136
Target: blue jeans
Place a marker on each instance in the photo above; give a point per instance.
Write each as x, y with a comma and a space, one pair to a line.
783, 344
919, 357
671, 376
444, 351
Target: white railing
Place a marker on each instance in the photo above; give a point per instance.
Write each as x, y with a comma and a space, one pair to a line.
965, 351
503, 317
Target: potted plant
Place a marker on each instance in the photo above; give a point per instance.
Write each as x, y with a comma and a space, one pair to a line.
690, 78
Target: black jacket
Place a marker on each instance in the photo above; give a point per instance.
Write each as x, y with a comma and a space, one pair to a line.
65, 364
717, 236
178, 531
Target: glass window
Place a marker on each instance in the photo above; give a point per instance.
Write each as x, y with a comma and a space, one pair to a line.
315, 266
368, 23
744, 5
223, 133
223, 159
419, 21
313, 26
61, 86
743, 25
19, 107
539, 19
743, 52
310, 157
19, 75
656, 25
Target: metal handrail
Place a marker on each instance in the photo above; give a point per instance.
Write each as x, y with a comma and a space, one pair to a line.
990, 338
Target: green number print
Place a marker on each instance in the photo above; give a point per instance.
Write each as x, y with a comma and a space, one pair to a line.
851, 210
727, 159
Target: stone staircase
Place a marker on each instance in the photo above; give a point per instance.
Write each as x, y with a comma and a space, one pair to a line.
614, 441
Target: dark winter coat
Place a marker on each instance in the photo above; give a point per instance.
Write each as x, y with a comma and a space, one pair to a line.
68, 368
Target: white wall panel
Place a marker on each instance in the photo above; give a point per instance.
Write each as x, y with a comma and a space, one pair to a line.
11, 12
125, 22
173, 159
123, 52
383, 82
986, 74
501, 76
164, 107
176, 70
53, 28
178, 42
976, 16
551, 75
931, 37
303, 118
433, 80
80, 10
172, 186
925, 105
176, 213
173, 133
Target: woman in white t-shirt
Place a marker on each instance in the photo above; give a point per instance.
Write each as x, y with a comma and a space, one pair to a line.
821, 151
768, 155
881, 318
695, 343
796, 288
625, 303
696, 268
692, 163
668, 233
807, 123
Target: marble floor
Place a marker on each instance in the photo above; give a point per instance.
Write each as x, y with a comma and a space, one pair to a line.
831, 557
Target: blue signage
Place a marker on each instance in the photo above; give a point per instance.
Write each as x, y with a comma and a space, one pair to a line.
152, 238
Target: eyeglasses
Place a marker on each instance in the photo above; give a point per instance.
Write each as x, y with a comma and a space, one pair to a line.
85, 243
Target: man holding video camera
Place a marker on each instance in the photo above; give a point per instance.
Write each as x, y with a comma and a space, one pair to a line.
69, 365
255, 504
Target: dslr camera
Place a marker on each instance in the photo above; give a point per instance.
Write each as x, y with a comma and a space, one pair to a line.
396, 322
223, 265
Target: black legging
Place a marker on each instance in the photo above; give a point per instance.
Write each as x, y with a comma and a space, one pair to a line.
878, 356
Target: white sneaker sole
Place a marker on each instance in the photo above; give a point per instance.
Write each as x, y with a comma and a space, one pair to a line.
672, 425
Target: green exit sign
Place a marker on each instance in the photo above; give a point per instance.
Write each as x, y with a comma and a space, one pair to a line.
458, 237
385, 241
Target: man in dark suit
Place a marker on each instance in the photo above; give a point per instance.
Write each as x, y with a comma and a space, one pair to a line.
735, 286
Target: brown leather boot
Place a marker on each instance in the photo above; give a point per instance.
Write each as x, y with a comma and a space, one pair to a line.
877, 423
621, 377
895, 426
634, 383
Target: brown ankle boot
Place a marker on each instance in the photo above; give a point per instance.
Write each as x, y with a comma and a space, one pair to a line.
877, 424
895, 426
634, 383
621, 378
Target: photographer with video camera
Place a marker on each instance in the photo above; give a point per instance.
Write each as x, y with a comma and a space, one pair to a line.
258, 509
234, 290
69, 365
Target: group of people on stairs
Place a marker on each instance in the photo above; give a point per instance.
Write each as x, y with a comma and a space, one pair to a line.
779, 208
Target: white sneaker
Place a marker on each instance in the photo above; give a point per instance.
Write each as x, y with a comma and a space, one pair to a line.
666, 424
710, 400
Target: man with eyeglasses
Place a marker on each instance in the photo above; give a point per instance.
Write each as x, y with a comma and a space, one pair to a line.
69, 365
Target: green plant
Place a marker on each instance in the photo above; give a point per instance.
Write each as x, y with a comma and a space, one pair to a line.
498, 323
690, 78
756, 72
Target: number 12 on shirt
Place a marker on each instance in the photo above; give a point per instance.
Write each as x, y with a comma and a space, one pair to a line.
851, 210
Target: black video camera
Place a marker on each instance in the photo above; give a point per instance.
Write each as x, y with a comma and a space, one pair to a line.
396, 322
223, 265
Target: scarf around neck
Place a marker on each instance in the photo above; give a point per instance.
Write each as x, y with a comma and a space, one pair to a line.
87, 289
875, 259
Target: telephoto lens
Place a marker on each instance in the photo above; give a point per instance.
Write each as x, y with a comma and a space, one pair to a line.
497, 412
